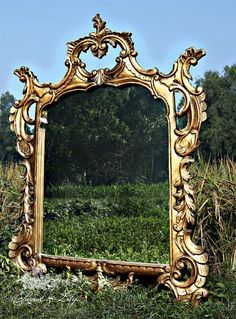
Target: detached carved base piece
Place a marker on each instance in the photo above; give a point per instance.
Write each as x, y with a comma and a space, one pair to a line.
26, 248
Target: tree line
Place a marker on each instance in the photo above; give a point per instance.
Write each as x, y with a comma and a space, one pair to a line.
107, 136
112, 135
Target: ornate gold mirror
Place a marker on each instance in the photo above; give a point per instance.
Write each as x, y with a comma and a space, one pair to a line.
107, 183
103, 93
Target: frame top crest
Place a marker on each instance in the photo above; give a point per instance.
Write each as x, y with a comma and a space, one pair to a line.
98, 42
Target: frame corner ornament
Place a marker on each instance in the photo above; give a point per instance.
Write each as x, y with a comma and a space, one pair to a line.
26, 248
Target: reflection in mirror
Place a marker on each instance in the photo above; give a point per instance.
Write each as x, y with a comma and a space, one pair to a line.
31, 113
181, 121
106, 176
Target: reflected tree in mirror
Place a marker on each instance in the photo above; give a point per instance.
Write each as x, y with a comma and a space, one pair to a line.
110, 175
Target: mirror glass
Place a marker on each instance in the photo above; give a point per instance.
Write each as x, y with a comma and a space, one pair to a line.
106, 190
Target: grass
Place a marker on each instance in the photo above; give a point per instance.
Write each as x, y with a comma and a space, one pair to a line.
216, 201
125, 222
64, 294
10, 185
126, 238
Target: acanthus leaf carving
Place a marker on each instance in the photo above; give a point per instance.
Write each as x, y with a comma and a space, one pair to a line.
185, 197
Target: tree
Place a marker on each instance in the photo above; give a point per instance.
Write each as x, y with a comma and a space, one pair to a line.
106, 136
7, 137
218, 135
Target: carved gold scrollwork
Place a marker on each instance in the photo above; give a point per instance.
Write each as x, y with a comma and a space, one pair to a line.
20, 250
190, 255
98, 42
185, 198
26, 248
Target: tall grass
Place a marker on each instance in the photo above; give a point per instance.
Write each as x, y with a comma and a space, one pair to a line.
216, 218
10, 186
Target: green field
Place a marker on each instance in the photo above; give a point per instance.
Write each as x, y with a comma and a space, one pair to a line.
129, 222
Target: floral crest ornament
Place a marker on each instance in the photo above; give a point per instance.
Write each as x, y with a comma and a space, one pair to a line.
26, 249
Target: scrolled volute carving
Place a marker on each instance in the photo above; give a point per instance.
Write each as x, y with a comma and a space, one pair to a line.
98, 43
20, 249
186, 60
186, 288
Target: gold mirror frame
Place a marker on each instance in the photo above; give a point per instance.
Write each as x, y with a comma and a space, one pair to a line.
26, 248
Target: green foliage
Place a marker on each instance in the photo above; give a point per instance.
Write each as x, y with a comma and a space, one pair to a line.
126, 238
7, 140
8, 267
216, 219
126, 222
108, 136
218, 135
61, 296
10, 185
69, 190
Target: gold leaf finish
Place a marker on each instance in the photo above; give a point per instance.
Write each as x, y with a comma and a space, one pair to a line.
26, 248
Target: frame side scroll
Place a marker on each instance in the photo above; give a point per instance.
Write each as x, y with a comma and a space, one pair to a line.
185, 253
26, 248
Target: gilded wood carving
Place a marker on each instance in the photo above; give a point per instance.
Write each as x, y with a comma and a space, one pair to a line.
26, 248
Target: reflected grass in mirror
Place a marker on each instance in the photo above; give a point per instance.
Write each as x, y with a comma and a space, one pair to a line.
106, 176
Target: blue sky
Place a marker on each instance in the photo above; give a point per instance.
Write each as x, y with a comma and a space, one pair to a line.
34, 34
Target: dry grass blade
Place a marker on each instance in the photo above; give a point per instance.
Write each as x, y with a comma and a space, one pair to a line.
216, 202
10, 186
